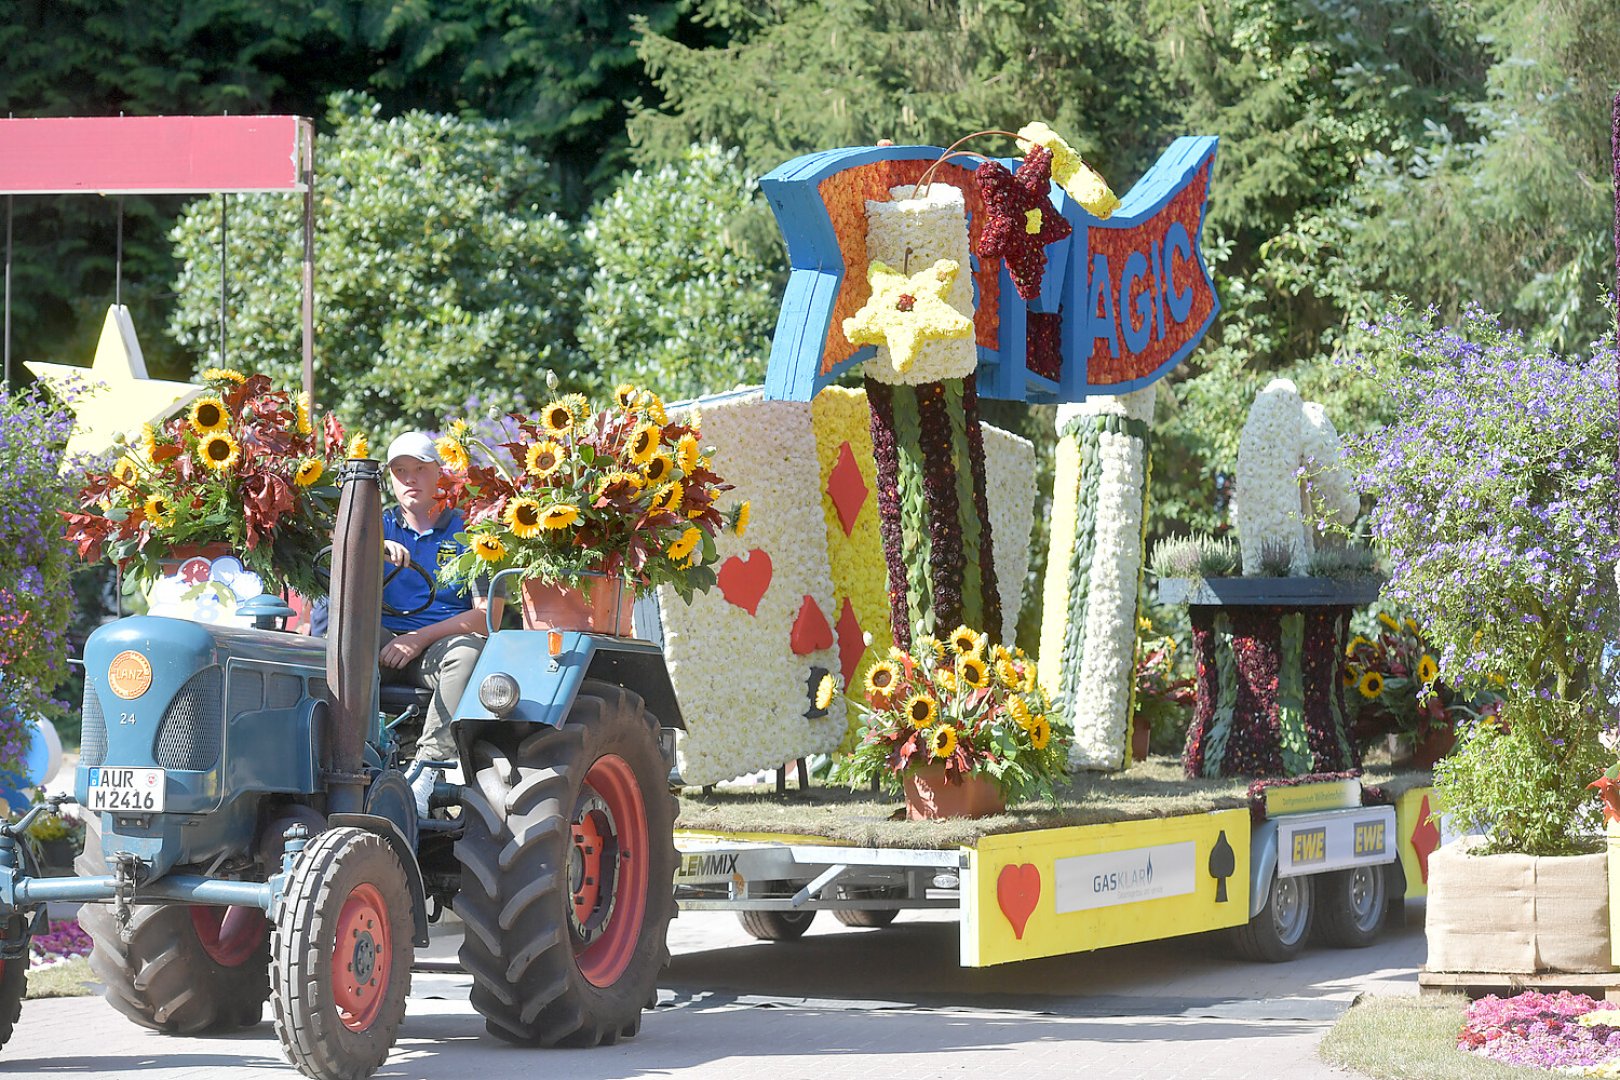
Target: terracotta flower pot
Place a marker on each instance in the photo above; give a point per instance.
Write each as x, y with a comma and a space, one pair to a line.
602, 606
929, 796
1141, 738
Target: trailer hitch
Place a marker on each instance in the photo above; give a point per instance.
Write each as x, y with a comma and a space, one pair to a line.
128, 871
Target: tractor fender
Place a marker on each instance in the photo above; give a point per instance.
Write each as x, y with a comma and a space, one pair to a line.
1262, 865
407, 859
548, 681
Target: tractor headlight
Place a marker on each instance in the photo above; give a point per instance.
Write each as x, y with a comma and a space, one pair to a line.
498, 693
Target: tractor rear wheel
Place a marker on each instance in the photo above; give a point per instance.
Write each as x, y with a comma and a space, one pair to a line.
184, 969
13, 980
342, 956
568, 867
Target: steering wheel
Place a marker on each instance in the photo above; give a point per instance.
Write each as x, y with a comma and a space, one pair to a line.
323, 574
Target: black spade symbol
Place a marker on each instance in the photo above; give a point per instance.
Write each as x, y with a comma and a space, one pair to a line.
1221, 864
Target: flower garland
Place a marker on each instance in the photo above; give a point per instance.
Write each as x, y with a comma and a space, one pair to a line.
747, 697
1082, 183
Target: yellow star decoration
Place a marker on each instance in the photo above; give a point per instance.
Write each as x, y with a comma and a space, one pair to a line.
1083, 183
906, 311
112, 396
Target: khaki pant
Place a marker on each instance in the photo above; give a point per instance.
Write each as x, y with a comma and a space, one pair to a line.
445, 667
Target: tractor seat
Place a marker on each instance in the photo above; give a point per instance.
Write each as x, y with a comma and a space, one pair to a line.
395, 698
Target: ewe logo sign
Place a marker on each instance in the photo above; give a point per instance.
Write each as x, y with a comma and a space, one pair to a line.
1085, 882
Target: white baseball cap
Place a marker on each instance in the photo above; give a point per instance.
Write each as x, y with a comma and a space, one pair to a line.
412, 444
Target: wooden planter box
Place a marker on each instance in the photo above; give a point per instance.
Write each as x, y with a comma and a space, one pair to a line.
1517, 914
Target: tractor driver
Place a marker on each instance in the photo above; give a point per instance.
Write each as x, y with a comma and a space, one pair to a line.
436, 648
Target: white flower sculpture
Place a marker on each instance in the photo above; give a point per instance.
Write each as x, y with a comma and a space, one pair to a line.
910, 235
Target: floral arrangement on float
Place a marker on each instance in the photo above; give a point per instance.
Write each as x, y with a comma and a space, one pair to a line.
589, 504
962, 727
1400, 694
245, 469
1162, 698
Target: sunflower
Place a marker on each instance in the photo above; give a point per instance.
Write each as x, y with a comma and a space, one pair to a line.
523, 518
625, 395
158, 512
1041, 733
559, 516
488, 546
1384, 618
922, 710
930, 646
1018, 709
684, 547
657, 470
670, 498
942, 741
643, 444
1356, 643
1372, 684
542, 459
557, 418
687, 454
304, 426
125, 470
220, 374
740, 526
219, 451
208, 415
1352, 675
457, 429
452, 453
149, 443
1427, 669
309, 471
360, 446
881, 677
1410, 627
973, 670
825, 691
1007, 674
1029, 676
616, 478
966, 641
653, 406
945, 679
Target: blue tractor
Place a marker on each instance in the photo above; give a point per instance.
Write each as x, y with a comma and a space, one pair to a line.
253, 835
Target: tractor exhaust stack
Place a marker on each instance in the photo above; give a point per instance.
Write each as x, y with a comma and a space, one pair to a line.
354, 632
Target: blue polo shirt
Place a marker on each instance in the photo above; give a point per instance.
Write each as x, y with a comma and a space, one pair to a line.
429, 550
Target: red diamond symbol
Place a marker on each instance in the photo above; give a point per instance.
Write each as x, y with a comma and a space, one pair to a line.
851, 640
847, 488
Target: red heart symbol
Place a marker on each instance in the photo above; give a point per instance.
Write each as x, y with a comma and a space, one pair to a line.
743, 581
810, 630
1018, 888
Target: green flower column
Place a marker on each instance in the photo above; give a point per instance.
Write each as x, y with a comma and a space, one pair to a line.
1094, 571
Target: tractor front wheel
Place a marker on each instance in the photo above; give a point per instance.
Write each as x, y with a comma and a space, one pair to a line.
180, 969
13, 979
341, 956
568, 866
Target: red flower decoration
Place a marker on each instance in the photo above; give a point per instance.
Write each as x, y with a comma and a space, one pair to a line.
1020, 220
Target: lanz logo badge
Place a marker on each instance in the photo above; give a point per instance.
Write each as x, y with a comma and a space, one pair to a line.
130, 674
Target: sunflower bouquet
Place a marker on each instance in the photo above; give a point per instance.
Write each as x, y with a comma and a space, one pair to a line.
245, 465
1393, 678
975, 710
620, 491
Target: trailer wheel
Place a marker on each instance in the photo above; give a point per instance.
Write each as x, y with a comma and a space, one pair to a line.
567, 873
342, 956
184, 969
1279, 931
1353, 905
13, 980
776, 925
865, 918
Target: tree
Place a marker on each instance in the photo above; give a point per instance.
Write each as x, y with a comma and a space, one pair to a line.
443, 270
688, 275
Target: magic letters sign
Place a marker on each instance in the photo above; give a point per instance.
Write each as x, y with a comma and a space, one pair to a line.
1122, 301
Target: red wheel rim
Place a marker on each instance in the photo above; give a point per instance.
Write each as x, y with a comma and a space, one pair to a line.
608, 870
362, 959
229, 935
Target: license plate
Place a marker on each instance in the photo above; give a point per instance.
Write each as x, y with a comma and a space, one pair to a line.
130, 791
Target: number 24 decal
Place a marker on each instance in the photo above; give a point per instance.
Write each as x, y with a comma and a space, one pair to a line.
126, 718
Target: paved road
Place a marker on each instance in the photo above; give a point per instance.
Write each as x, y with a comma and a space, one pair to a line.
841, 1003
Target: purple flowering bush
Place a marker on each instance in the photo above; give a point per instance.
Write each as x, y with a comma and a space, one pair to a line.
1539, 1030
36, 603
1495, 503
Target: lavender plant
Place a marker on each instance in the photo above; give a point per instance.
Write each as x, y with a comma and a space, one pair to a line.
1495, 502
35, 601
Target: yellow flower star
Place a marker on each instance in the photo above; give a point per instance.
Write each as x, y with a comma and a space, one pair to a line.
906, 311
1083, 183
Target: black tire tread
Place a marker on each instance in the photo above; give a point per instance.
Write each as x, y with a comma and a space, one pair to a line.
518, 802
13, 987
161, 978
1257, 939
776, 925
866, 918
1335, 924
313, 1038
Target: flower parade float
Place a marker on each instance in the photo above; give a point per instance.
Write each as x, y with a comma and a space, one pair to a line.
873, 600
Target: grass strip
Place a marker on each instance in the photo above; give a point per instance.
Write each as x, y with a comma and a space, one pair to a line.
1411, 1038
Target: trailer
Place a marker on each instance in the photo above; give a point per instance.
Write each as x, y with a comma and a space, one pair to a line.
1326, 859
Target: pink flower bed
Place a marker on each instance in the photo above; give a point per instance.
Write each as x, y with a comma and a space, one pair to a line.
63, 941
1539, 1030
